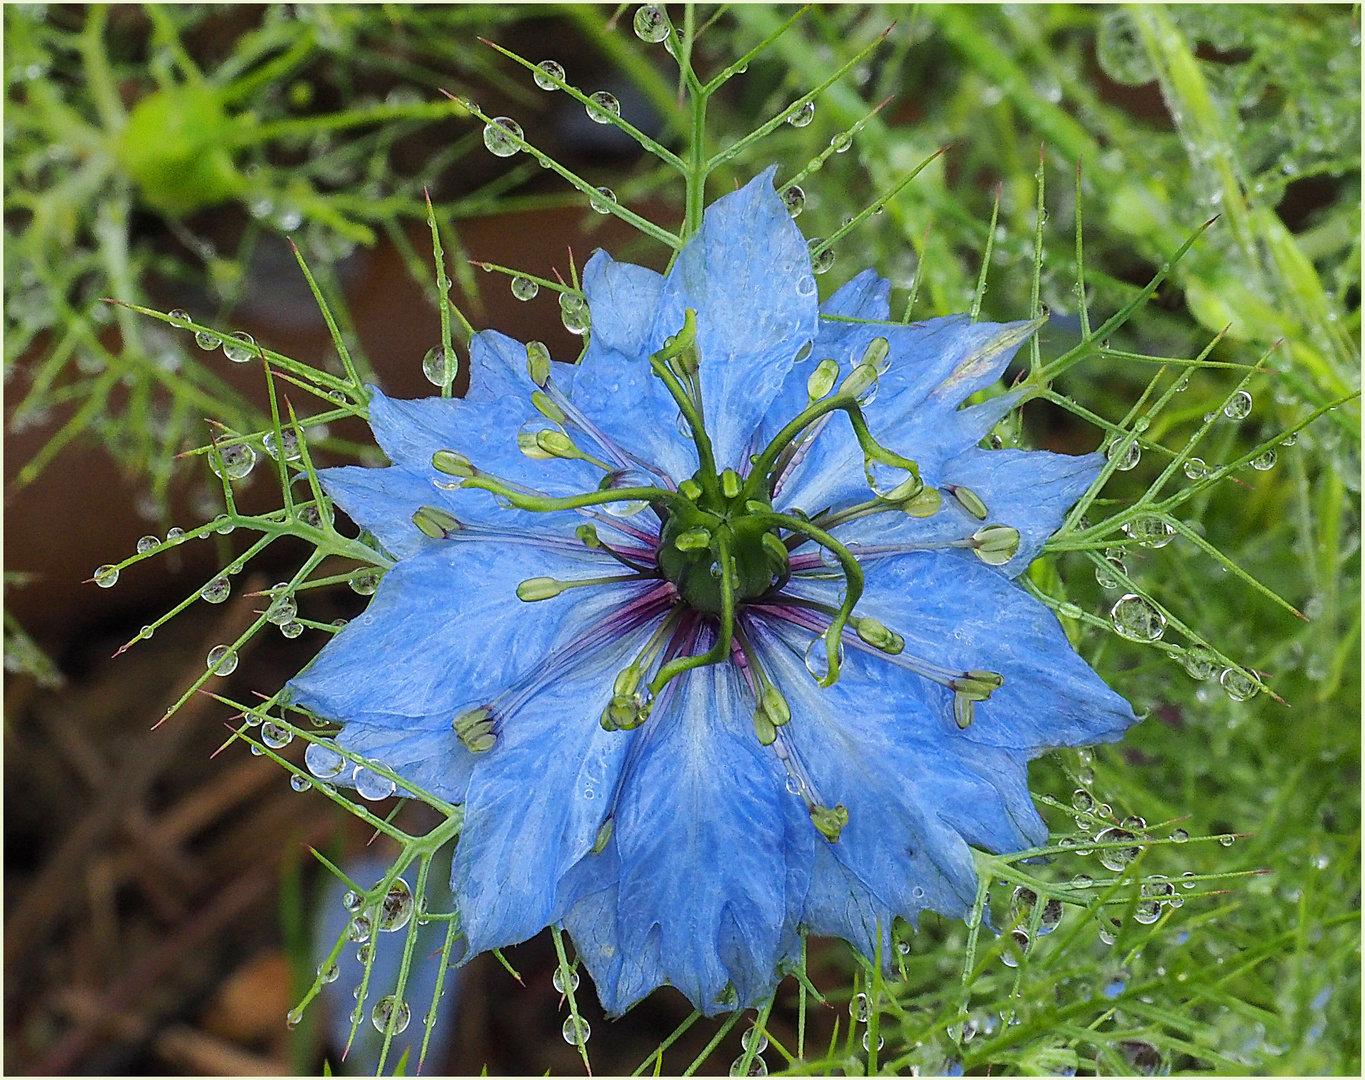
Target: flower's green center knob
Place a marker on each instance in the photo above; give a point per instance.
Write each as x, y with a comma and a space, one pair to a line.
690, 547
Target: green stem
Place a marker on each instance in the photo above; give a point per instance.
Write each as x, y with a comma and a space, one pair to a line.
544, 504
720, 651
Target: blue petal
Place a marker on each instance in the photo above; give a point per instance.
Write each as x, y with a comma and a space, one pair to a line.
959, 614
536, 800
614, 384
446, 631
711, 850
747, 275
1030, 490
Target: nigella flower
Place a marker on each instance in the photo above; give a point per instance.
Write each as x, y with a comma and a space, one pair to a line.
713, 635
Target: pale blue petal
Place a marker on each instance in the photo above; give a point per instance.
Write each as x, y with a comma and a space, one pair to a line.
446, 631
747, 275
703, 833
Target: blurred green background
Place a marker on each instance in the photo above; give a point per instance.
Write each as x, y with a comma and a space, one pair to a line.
157, 907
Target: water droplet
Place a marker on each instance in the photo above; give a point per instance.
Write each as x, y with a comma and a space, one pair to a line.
822, 260
329, 974
1289, 440
602, 106
818, 660
390, 1015
626, 478
651, 24
574, 314
546, 72
216, 591
1142, 1056
206, 341
225, 525
1082, 800
1179, 835
888, 481
1125, 455
867, 1041
222, 660
1195, 468
365, 581
239, 347
353, 902
1116, 858
1265, 461
1187, 880
1200, 661
523, 288
323, 761
300, 783
558, 980
1104, 574
370, 785
1136, 619
575, 1032
1009, 957
283, 606
1238, 406
148, 543
1150, 530
858, 1008
841, 142
1227, 839
395, 911
289, 440
752, 1036
803, 116
237, 461
502, 135
794, 199
178, 317
1085, 775
439, 365
1082, 881
603, 201
292, 629
1237, 685
276, 736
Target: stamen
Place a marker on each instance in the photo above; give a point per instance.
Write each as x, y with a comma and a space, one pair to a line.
829, 823
453, 463
628, 707
546, 588
474, 728
822, 379
436, 523
995, 545
968, 499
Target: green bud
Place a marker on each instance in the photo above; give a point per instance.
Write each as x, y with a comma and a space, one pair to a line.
690, 489
875, 633
964, 710
822, 379
693, 539
557, 444
830, 823
996, 545
861, 379
924, 503
539, 588
730, 484
546, 407
627, 681
764, 728
435, 522
537, 362
530, 446
452, 463
876, 353
587, 533
603, 836
968, 499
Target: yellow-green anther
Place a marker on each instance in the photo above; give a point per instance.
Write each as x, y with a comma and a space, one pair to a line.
830, 823
557, 444
530, 446
537, 362
964, 710
588, 534
861, 379
764, 727
730, 484
539, 588
758, 506
976, 685
876, 353
822, 379
875, 633
690, 489
627, 681
968, 499
546, 407
924, 503
452, 463
996, 545
992, 679
603, 836
435, 522
474, 728
693, 539
775, 705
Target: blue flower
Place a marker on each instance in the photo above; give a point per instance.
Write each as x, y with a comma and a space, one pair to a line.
713, 635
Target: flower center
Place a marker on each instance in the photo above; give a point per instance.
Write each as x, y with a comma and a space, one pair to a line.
692, 537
